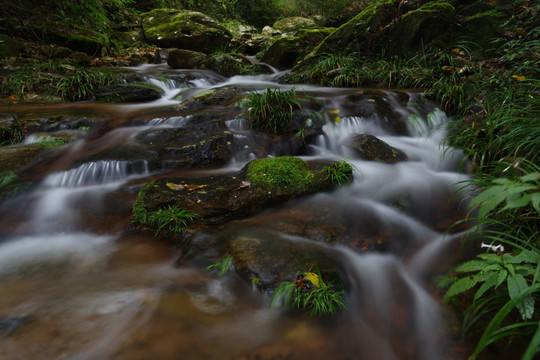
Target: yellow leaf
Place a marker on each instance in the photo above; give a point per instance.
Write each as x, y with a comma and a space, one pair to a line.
335, 111
314, 279
337, 119
456, 50
175, 186
194, 187
519, 77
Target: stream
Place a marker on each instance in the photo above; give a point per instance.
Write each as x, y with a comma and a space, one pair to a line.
79, 282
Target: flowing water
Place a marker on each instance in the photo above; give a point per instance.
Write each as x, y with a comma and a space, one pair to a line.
79, 283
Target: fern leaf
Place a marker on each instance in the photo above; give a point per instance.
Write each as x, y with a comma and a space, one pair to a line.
469, 266
527, 256
491, 280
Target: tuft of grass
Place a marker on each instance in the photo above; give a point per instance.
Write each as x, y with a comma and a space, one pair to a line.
339, 172
273, 110
173, 219
10, 184
12, 132
310, 294
222, 266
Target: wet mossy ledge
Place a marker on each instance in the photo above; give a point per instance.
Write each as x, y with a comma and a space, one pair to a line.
204, 201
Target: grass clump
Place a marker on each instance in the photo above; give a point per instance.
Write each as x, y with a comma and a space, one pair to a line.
339, 172
309, 293
70, 82
273, 110
173, 219
12, 133
222, 266
280, 172
10, 184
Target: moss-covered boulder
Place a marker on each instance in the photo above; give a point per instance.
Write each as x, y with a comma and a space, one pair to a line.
128, 93
184, 29
481, 24
9, 47
186, 59
261, 183
373, 148
17, 157
390, 25
230, 64
432, 23
291, 24
285, 52
81, 40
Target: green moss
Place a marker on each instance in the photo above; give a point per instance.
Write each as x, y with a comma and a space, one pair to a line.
279, 172
139, 211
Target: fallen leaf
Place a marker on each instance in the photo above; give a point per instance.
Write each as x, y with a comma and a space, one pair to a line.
194, 187
175, 186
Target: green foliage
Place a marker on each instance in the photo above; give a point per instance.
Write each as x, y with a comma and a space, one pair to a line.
340, 172
310, 294
70, 82
515, 193
280, 172
273, 110
10, 184
173, 219
12, 132
222, 266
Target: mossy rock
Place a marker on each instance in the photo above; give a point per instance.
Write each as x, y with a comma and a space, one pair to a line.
80, 58
433, 22
186, 59
218, 199
482, 28
290, 24
19, 156
184, 29
229, 64
285, 52
79, 40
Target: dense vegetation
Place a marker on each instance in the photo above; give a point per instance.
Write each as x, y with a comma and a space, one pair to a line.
492, 91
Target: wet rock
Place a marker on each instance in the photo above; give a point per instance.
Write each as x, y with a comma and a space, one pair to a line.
186, 59
18, 156
90, 42
184, 29
372, 148
217, 199
203, 141
218, 96
128, 93
273, 258
57, 124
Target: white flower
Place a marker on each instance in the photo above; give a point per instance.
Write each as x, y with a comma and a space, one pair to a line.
494, 248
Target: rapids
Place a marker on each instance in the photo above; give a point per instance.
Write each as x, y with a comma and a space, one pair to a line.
79, 283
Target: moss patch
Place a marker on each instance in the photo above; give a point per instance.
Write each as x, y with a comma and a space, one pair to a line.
280, 172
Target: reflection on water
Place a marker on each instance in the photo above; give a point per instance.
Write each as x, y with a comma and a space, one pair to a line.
77, 283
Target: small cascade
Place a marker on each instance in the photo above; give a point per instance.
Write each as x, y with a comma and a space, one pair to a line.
174, 122
98, 172
376, 279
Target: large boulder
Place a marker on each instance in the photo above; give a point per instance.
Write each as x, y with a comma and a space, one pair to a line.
184, 29
285, 52
390, 25
186, 59
291, 24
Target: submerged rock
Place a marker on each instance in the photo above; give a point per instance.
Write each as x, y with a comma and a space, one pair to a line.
372, 148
